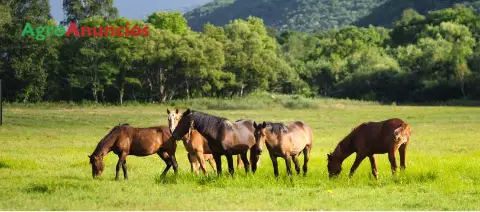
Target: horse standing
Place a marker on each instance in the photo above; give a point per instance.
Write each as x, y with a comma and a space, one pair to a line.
125, 140
369, 139
286, 141
224, 137
195, 144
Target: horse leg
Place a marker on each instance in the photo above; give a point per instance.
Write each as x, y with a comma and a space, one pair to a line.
297, 164
218, 161
230, 164
124, 166
357, 162
253, 161
190, 161
211, 161
194, 162
373, 163
393, 161
245, 162
275, 165
119, 164
239, 162
168, 162
306, 157
174, 163
288, 162
201, 159
403, 152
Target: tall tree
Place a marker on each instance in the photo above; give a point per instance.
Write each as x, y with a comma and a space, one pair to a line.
25, 60
77, 10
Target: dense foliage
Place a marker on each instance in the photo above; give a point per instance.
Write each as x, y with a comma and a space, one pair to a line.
420, 58
313, 15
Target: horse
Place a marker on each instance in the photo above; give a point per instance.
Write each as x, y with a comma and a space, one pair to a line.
223, 136
196, 146
286, 141
368, 139
126, 140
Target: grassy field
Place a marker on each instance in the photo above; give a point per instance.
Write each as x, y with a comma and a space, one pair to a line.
44, 164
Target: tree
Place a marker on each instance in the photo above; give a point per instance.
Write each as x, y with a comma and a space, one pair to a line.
77, 10
25, 60
173, 21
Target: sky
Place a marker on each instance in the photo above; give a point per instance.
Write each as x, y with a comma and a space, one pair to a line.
136, 9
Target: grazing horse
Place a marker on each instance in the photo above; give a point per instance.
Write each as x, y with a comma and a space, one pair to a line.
286, 141
224, 137
125, 140
369, 139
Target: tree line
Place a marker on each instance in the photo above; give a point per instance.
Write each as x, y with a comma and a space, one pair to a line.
421, 58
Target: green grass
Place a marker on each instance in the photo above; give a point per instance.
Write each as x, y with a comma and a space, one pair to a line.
44, 164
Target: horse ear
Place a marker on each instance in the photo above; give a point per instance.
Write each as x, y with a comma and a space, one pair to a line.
168, 111
187, 112
176, 111
255, 125
264, 124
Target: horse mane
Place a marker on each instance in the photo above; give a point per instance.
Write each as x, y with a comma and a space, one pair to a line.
277, 128
104, 139
345, 143
207, 123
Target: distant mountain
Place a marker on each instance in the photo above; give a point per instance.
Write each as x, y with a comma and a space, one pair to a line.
311, 15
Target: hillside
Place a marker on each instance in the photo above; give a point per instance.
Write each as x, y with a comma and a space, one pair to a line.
311, 15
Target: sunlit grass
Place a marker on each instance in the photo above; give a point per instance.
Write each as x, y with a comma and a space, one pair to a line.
44, 164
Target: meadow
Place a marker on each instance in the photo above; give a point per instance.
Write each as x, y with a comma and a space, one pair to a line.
44, 164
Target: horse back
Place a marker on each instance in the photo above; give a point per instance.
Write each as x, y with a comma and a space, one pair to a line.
378, 137
300, 135
236, 137
147, 141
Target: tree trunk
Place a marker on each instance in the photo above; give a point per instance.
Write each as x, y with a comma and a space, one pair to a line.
121, 94
187, 88
150, 86
462, 87
161, 81
95, 95
241, 90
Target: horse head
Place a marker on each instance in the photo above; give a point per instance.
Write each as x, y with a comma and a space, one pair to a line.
260, 136
183, 125
97, 165
173, 119
334, 165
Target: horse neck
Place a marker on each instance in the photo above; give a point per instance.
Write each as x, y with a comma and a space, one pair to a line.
343, 150
271, 139
209, 133
105, 145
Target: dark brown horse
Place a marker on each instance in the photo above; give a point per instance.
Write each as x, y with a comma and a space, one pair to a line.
286, 141
369, 139
196, 145
125, 140
224, 137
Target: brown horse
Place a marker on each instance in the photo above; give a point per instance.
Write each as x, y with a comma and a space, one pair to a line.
197, 146
286, 141
224, 137
125, 140
369, 139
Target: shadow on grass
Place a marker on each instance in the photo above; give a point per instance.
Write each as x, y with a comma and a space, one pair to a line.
4, 165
